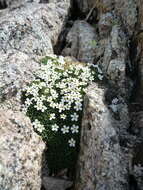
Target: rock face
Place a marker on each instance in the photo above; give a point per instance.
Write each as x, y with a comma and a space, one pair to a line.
33, 28
16, 69
81, 41
110, 156
103, 163
21, 152
51, 183
27, 33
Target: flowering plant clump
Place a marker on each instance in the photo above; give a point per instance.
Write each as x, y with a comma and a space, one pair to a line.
54, 102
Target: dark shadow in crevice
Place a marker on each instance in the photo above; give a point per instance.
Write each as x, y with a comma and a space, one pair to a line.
3, 5
44, 1
133, 185
44, 168
73, 15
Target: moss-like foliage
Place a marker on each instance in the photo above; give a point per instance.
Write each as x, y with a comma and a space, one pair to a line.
54, 103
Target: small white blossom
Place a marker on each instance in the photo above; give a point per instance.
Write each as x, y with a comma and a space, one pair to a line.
63, 116
115, 101
28, 102
74, 117
65, 129
75, 129
55, 127
52, 116
58, 88
38, 126
78, 106
72, 142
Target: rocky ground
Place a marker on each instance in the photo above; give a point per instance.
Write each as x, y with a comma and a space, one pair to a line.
103, 32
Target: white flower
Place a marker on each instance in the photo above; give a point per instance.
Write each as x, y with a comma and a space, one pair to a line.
115, 101
75, 129
74, 117
72, 142
39, 105
52, 116
63, 116
55, 127
65, 129
78, 106
38, 126
28, 102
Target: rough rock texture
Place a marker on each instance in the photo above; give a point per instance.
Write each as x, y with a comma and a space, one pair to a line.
111, 153
103, 163
80, 42
16, 69
27, 33
33, 28
51, 183
21, 152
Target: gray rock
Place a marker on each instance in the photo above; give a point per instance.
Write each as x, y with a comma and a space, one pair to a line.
81, 41
51, 183
27, 34
32, 28
105, 24
106, 154
21, 152
103, 163
16, 70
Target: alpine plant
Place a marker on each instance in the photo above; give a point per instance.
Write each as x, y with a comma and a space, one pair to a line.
54, 103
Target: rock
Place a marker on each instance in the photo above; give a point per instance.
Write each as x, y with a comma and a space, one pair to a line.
103, 164
102, 5
16, 69
105, 154
32, 28
26, 35
127, 11
12, 4
21, 151
81, 41
51, 183
105, 24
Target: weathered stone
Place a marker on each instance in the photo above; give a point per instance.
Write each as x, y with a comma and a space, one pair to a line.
33, 28
16, 69
102, 5
105, 159
21, 152
105, 24
51, 183
26, 34
81, 41
103, 163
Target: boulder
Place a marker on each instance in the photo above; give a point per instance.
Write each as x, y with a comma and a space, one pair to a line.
103, 163
16, 69
21, 152
27, 33
32, 28
81, 41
